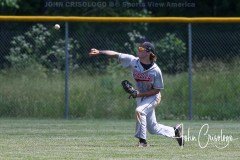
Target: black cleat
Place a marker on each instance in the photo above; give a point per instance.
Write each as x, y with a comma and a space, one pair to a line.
142, 143
178, 134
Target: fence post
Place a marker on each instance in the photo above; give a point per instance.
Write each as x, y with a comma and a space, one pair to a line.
66, 72
190, 69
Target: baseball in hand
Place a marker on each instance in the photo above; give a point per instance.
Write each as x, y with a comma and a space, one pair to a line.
57, 26
94, 52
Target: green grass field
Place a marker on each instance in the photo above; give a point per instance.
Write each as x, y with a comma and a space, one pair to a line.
109, 139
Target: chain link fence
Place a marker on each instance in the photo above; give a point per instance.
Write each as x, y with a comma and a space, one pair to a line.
216, 71
33, 65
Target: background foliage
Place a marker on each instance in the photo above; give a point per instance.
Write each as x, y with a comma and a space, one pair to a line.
29, 48
32, 61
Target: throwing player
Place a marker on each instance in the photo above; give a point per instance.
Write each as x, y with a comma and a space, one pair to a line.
149, 82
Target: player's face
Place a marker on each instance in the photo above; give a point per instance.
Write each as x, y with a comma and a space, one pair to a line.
142, 53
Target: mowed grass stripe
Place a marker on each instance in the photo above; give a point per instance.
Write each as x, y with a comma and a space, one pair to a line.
106, 139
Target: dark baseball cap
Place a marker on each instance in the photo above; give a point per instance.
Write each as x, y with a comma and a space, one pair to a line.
149, 47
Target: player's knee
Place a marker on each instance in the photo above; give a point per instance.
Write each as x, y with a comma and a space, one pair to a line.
139, 111
138, 116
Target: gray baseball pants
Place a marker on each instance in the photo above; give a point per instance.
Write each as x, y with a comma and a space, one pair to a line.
146, 118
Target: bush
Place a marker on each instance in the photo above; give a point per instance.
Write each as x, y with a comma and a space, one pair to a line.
39, 45
172, 55
171, 51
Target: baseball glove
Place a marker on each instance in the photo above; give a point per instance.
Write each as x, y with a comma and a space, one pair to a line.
127, 86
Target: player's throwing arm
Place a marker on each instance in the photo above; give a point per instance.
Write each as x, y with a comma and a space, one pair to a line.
95, 52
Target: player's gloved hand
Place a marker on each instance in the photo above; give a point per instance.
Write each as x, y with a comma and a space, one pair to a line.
133, 95
127, 86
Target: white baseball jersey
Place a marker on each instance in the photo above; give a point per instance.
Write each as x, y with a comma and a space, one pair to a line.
145, 79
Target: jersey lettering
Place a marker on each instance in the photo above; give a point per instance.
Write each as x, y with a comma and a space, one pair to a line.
138, 76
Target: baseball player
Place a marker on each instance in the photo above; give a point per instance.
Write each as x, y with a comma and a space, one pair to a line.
149, 82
